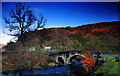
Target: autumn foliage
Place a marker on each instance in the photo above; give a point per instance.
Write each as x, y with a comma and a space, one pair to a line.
88, 60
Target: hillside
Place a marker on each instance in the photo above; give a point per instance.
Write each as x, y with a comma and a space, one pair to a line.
61, 37
95, 29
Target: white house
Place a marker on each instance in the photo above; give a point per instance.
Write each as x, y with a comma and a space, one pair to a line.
47, 47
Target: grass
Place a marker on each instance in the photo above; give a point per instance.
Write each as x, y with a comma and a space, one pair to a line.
110, 67
109, 57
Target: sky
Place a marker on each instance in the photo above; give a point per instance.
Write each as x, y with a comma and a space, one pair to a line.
63, 14
60, 0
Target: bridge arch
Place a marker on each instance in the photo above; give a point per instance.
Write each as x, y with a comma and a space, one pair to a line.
69, 60
72, 58
61, 60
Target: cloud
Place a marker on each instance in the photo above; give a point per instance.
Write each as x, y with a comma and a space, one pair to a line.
4, 38
53, 26
0, 29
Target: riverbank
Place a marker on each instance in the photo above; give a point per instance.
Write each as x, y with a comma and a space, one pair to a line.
110, 67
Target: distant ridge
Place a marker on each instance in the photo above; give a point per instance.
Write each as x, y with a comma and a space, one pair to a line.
94, 29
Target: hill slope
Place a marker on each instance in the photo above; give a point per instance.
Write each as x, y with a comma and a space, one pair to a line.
61, 36
94, 30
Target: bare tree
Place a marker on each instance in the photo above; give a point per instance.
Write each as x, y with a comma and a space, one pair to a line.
21, 19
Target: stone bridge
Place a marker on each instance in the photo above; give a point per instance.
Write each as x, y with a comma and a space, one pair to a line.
66, 56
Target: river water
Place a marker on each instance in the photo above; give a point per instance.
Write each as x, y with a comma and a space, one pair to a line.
113, 55
74, 69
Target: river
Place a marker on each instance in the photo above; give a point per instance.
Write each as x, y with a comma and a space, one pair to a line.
74, 69
113, 55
